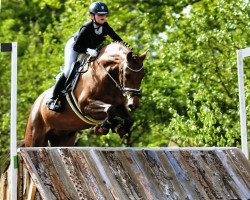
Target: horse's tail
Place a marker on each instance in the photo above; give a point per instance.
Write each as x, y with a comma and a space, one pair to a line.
5, 158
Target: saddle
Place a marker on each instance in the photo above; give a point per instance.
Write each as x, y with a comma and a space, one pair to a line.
77, 69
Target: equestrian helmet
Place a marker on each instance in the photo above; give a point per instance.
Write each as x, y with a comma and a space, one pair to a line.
98, 8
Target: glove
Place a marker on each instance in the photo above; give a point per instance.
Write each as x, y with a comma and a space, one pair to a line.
92, 52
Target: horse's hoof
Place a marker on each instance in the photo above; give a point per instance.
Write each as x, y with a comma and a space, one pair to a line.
101, 131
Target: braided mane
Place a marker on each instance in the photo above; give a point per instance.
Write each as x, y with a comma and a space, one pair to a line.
124, 44
120, 45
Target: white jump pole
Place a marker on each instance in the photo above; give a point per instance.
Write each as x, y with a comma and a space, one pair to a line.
12, 47
243, 119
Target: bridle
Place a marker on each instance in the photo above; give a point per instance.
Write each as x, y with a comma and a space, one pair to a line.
132, 91
121, 85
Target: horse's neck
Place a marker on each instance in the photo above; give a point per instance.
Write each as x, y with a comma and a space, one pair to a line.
103, 75
107, 58
98, 72
107, 70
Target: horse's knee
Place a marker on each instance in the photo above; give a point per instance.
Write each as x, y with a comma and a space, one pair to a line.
100, 108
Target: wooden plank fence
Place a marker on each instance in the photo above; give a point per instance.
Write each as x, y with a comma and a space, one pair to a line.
25, 187
130, 173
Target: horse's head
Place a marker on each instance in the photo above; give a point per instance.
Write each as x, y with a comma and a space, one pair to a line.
128, 66
132, 73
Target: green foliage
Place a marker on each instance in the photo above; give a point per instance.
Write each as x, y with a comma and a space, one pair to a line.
190, 92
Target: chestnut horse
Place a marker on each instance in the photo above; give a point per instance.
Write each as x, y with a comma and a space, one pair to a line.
109, 88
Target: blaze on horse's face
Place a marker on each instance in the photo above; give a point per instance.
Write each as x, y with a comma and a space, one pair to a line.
133, 73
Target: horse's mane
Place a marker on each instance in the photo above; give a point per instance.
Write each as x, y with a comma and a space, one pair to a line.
125, 45
122, 43
117, 47
115, 52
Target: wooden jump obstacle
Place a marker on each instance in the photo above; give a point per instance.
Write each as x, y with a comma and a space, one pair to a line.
130, 173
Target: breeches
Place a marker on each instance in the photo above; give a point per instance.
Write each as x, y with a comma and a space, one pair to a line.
70, 56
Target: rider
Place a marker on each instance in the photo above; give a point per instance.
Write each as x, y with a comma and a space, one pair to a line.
85, 41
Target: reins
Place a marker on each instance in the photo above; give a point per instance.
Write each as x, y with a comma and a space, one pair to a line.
116, 84
121, 86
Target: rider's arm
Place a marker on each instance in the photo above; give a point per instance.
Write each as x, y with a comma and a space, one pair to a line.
81, 42
112, 33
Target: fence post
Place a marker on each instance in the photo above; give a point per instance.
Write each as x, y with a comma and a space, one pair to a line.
243, 119
12, 47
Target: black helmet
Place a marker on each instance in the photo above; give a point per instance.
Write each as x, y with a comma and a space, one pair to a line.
98, 8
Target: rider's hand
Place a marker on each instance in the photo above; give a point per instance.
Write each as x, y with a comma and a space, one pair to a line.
92, 52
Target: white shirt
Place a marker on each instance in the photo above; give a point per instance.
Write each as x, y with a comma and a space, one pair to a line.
98, 29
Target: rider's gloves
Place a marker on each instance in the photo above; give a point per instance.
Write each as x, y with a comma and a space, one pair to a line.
92, 52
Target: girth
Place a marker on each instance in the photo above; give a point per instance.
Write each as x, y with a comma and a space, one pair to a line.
71, 82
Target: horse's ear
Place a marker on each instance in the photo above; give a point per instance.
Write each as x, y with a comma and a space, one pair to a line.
130, 56
143, 56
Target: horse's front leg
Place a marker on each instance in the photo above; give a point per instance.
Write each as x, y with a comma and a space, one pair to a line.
125, 127
101, 110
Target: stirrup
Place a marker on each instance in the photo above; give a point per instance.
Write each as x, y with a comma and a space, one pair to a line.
54, 105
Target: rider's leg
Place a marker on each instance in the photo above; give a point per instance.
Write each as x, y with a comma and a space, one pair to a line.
53, 103
69, 57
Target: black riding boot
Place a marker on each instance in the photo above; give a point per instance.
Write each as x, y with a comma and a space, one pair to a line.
53, 103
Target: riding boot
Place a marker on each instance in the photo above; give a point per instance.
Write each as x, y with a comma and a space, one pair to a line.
53, 103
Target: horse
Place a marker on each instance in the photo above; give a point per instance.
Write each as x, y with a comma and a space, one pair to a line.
110, 88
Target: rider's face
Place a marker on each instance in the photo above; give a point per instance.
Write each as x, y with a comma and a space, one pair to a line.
100, 19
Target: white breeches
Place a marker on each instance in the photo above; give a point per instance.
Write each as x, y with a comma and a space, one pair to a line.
70, 56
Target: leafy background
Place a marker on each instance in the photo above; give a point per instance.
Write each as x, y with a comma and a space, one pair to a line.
190, 92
